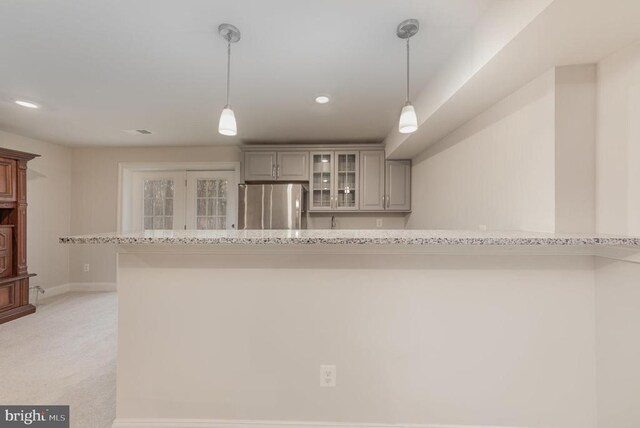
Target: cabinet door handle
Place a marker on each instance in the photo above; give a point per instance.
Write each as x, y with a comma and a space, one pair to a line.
277, 171
273, 170
388, 201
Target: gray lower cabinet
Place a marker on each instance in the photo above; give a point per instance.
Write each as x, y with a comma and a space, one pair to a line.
398, 185
372, 192
276, 166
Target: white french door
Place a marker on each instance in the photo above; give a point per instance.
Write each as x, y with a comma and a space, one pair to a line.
158, 200
211, 200
176, 200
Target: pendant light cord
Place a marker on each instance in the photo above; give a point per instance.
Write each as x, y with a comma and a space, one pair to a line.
407, 69
228, 66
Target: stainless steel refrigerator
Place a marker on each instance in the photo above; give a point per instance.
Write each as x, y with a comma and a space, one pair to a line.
272, 206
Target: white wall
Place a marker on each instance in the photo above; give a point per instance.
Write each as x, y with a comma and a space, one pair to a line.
496, 170
423, 339
357, 220
618, 212
575, 148
95, 194
618, 146
95, 197
49, 208
527, 163
618, 343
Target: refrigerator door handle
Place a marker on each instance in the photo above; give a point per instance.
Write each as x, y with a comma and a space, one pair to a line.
298, 209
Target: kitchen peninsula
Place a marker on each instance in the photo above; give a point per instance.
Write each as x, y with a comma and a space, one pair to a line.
424, 327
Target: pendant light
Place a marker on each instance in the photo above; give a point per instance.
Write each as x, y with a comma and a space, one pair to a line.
227, 124
408, 120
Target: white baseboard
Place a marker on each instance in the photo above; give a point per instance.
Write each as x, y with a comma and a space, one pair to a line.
212, 423
53, 291
78, 287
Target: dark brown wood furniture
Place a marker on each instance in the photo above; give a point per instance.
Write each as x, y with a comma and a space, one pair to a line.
14, 276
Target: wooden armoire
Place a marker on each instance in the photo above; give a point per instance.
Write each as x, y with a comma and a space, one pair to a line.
14, 276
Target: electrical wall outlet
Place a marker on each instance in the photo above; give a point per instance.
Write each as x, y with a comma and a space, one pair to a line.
378, 222
328, 376
87, 267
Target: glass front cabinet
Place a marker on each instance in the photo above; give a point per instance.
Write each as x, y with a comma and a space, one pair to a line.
334, 181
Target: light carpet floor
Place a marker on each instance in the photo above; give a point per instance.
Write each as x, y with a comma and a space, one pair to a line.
65, 353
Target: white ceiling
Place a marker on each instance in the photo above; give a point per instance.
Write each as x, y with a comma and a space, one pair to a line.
550, 32
99, 67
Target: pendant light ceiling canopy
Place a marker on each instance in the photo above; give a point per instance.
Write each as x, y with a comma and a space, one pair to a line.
408, 120
227, 125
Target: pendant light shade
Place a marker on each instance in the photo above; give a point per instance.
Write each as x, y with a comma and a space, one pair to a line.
227, 125
408, 119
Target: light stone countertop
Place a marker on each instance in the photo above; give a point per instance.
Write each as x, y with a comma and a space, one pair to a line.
353, 237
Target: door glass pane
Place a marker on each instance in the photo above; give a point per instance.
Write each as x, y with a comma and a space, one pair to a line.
347, 178
321, 180
201, 190
211, 203
158, 204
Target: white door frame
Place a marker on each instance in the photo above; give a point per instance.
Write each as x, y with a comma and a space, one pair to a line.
125, 177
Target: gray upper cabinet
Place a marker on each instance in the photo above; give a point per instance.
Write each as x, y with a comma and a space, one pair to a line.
293, 166
276, 166
347, 181
339, 180
372, 192
260, 166
398, 185
321, 193
335, 182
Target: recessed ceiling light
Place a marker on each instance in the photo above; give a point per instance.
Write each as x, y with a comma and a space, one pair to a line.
322, 99
27, 104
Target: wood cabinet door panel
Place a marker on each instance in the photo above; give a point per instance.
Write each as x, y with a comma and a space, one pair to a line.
260, 166
7, 179
5, 238
346, 176
372, 180
293, 166
7, 296
5, 264
321, 189
398, 185
6, 250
